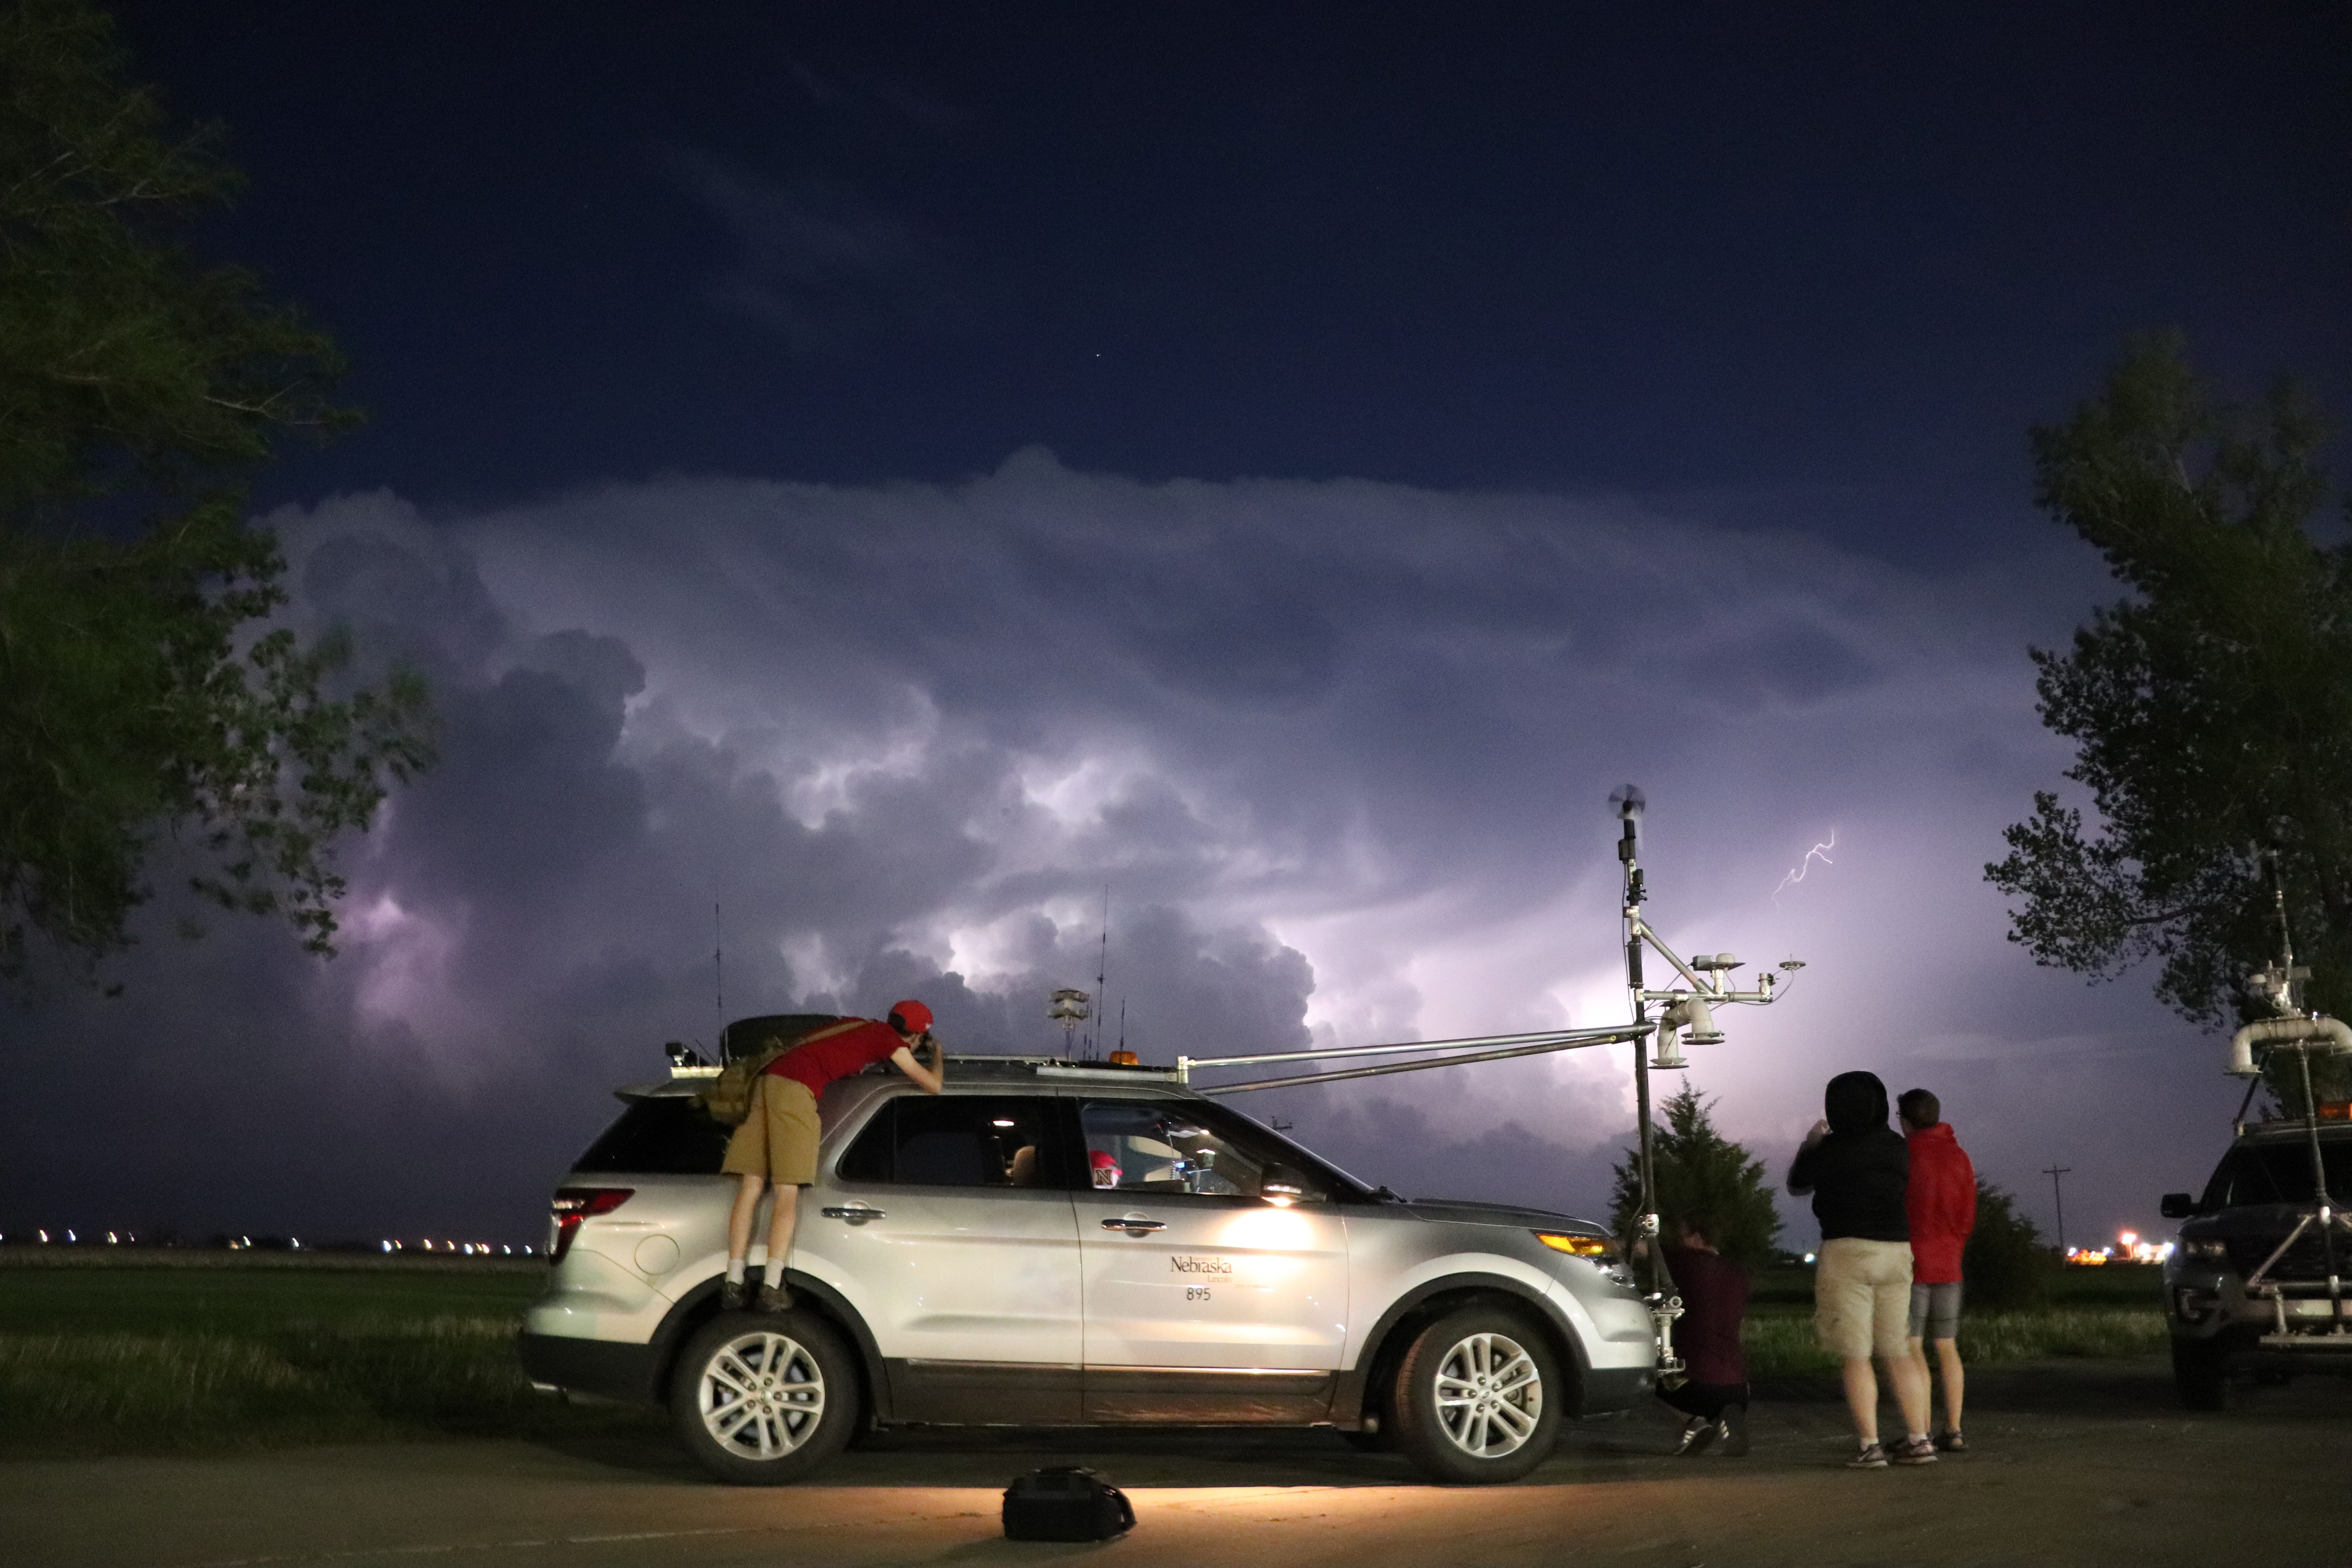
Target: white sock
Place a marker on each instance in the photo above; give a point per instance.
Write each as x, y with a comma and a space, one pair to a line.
775, 1273
734, 1271
1915, 1436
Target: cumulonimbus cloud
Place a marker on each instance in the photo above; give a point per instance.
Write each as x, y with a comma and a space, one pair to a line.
1336, 752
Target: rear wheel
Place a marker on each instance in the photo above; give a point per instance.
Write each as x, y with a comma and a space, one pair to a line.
1474, 1398
763, 1399
2199, 1374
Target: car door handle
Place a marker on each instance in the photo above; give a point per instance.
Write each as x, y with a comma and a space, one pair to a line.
855, 1213
1132, 1226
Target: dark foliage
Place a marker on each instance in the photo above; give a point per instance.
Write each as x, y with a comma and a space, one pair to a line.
2211, 709
142, 687
2006, 1264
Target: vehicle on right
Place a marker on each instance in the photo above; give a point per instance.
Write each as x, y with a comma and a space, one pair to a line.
2259, 1285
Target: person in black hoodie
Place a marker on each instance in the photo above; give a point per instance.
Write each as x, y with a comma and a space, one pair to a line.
1858, 1168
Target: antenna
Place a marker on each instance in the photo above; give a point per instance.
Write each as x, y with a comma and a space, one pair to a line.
719, 971
1102, 967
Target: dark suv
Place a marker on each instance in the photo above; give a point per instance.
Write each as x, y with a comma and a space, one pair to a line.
2249, 1286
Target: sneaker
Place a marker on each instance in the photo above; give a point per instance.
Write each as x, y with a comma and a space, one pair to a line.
732, 1295
1695, 1436
1733, 1429
1871, 1457
1951, 1442
1914, 1451
776, 1298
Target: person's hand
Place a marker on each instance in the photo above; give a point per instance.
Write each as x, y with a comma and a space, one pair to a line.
1821, 1130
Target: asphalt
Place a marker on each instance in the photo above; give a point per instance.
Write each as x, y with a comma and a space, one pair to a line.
2075, 1463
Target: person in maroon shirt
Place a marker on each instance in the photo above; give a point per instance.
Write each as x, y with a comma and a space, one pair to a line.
1714, 1290
777, 1143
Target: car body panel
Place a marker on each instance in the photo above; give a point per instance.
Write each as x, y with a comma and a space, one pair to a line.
1228, 1282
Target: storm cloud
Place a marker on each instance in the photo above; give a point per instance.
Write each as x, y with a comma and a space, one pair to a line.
1335, 753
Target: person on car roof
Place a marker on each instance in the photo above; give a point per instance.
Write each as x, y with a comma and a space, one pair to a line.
777, 1142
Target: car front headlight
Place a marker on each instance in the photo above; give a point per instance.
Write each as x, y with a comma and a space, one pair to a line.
1599, 1248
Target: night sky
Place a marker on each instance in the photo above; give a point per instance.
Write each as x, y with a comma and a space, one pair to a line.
895, 472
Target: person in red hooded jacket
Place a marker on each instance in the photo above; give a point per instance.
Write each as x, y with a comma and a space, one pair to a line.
1942, 1205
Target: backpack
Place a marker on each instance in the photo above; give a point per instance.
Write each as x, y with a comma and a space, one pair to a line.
1065, 1503
728, 1098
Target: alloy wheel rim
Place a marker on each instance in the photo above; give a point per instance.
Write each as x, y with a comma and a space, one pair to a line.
762, 1396
1489, 1396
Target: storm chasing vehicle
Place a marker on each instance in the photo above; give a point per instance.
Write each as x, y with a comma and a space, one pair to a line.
2251, 1286
2261, 1278
1063, 1244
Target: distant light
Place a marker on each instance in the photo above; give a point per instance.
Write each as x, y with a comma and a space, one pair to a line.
1002, 1122
2127, 1237
526, 1252
44, 1236
110, 1239
295, 1242
506, 1251
387, 1246
428, 1245
1808, 1258
70, 1237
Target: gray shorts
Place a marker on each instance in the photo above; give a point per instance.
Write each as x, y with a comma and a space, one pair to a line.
1936, 1311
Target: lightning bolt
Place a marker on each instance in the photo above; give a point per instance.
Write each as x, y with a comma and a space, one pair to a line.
1805, 865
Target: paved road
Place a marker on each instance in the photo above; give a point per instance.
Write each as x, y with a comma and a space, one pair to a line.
2087, 1464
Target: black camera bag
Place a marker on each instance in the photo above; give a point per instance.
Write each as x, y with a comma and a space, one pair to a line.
1065, 1503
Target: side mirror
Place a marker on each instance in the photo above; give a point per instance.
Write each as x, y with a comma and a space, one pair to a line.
2176, 1205
1281, 1186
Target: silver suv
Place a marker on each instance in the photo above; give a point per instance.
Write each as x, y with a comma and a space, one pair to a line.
1060, 1243
2248, 1286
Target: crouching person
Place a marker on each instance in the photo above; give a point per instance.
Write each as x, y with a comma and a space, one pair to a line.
777, 1143
1713, 1292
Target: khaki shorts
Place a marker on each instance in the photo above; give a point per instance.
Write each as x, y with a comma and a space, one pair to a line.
778, 1139
1861, 1297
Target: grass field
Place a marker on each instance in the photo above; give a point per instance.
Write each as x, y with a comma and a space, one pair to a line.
204, 1351
158, 1359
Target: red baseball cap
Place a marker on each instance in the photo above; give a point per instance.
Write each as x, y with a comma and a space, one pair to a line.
910, 1017
1101, 1162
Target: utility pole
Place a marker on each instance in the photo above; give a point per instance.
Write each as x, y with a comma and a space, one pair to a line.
2058, 1192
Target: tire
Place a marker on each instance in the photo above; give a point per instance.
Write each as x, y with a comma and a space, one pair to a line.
760, 1399
2199, 1376
1476, 1398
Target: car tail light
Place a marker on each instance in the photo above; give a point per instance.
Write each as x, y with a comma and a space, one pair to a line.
573, 1205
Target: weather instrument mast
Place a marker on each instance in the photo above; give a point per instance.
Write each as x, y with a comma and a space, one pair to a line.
1685, 1016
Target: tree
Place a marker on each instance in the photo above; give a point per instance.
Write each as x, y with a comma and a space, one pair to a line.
2211, 708
143, 688
2005, 1263
1699, 1171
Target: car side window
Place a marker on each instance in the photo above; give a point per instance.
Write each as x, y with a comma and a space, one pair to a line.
1168, 1147
955, 1140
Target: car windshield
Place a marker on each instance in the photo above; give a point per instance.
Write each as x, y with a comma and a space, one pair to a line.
2276, 1174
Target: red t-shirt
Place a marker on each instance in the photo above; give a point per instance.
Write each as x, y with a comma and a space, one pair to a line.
1941, 1204
1714, 1300
819, 1062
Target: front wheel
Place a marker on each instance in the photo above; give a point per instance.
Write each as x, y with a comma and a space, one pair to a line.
2198, 1375
1473, 1401
763, 1400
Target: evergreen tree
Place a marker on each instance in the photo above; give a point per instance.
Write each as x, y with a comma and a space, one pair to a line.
1699, 1171
142, 688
